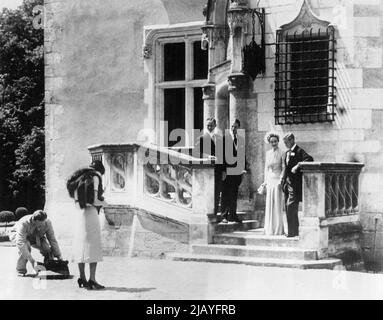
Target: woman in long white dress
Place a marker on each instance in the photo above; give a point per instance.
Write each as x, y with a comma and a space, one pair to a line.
87, 247
274, 168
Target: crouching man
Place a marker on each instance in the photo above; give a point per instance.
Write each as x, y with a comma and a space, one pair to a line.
34, 231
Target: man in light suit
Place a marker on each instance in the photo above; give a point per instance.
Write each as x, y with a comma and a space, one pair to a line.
292, 182
34, 231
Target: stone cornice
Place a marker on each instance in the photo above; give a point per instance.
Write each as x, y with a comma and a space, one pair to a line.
154, 33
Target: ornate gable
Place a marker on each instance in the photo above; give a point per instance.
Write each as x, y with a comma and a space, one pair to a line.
306, 20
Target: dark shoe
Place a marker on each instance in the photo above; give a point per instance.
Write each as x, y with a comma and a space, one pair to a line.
235, 219
92, 285
290, 236
82, 283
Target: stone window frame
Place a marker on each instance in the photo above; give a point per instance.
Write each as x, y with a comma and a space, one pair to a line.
306, 23
153, 52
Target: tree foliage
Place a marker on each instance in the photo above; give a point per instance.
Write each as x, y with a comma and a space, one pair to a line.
22, 149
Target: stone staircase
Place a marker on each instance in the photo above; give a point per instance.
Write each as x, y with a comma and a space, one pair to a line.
246, 244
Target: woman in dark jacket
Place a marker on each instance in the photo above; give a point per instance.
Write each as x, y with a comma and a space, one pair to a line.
87, 246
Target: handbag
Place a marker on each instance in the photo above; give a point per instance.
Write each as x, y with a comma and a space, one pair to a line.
262, 189
59, 269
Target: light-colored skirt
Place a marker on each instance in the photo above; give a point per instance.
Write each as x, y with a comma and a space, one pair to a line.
87, 246
274, 208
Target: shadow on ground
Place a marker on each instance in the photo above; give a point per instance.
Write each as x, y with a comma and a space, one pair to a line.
130, 290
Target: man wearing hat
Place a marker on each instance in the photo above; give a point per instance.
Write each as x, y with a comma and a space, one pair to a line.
34, 231
292, 182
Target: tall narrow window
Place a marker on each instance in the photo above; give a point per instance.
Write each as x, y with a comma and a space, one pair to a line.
309, 67
184, 71
174, 111
201, 63
198, 110
305, 89
174, 58
305, 77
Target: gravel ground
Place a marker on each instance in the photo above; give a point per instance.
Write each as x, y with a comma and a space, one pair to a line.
169, 280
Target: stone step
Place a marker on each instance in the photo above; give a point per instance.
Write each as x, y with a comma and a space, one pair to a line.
256, 252
246, 215
233, 226
254, 238
259, 262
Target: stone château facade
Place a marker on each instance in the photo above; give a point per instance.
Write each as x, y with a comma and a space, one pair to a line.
108, 78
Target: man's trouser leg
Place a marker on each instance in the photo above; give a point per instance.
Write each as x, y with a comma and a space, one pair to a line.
44, 249
236, 182
217, 189
21, 266
225, 200
292, 205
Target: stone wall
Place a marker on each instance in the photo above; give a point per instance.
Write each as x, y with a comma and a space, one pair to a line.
95, 82
128, 231
357, 133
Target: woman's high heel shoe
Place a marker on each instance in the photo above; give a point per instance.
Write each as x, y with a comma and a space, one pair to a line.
82, 283
94, 285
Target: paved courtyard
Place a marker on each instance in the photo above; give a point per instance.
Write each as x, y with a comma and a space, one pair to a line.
162, 279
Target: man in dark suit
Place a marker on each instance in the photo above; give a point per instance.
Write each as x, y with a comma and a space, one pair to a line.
233, 173
292, 182
210, 145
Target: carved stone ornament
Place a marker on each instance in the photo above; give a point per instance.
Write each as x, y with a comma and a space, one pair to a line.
238, 4
147, 51
236, 19
204, 41
204, 10
239, 82
306, 18
208, 91
213, 35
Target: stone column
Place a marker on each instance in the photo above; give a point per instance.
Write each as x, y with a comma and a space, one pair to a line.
215, 39
209, 100
237, 20
239, 87
239, 83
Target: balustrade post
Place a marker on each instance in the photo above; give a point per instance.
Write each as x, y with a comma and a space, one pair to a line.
203, 204
328, 225
313, 231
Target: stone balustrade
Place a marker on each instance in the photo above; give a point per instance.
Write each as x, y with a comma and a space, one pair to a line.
167, 182
330, 222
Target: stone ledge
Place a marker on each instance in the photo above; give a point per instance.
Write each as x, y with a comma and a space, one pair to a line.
344, 228
311, 167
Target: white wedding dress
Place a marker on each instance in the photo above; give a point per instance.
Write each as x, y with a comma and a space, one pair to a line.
274, 198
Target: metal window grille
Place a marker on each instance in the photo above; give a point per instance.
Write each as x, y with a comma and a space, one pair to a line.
305, 89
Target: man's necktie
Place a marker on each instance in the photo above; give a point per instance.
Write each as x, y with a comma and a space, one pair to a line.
288, 156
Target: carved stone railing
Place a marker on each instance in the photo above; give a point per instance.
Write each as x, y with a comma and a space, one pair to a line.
330, 221
172, 183
167, 182
342, 189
